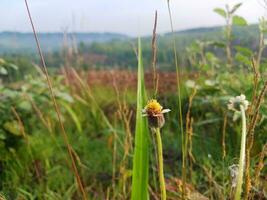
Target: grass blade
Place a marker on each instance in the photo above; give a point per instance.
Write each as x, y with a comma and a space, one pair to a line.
140, 162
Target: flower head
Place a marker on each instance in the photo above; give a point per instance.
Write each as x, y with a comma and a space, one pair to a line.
154, 111
235, 103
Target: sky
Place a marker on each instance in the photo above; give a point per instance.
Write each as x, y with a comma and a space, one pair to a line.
132, 17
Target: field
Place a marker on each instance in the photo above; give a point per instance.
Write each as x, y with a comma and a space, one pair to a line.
138, 118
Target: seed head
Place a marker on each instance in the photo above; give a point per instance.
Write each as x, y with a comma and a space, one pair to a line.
154, 111
235, 103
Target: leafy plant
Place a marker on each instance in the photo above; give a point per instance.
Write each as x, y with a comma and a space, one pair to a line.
231, 19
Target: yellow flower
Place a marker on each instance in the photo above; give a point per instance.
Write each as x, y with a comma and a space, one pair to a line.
154, 111
153, 106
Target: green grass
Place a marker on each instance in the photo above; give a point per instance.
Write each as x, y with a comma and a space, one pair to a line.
141, 151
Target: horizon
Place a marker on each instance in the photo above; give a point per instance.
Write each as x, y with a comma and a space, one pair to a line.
76, 18
118, 33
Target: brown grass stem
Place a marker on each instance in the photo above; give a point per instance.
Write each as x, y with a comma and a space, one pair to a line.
65, 137
250, 135
189, 131
154, 55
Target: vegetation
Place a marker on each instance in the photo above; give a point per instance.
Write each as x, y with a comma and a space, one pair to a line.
119, 150
118, 50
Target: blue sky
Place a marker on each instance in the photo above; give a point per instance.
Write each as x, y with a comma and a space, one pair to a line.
132, 17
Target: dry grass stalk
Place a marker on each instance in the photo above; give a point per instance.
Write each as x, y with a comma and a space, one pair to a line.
178, 78
190, 147
189, 132
216, 189
63, 131
153, 194
250, 135
256, 75
261, 48
259, 167
154, 55
114, 158
223, 136
250, 116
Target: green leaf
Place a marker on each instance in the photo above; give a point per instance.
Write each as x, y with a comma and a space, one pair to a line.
2, 61
12, 127
239, 21
263, 25
2, 136
3, 71
245, 51
220, 12
219, 44
235, 7
15, 67
25, 105
72, 115
243, 59
140, 160
64, 96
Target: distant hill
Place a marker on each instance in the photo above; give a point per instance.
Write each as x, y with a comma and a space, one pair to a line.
17, 42
121, 53
244, 34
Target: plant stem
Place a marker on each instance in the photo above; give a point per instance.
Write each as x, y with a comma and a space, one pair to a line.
57, 109
242, 156
160, 159
178, 78
228, 37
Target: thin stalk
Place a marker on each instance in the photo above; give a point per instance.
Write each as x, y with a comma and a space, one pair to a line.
257, 102
114, 165
154, 55
180, 105
242, 155
160, 160
228, 36
261, 42
52, 95
224, 150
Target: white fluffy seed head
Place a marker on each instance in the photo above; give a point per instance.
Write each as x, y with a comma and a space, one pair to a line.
235, 103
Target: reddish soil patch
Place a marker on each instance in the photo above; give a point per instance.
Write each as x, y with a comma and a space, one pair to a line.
125, 79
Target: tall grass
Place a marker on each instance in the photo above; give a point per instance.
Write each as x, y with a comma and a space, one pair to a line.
56, 107
178, 78
141, 156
